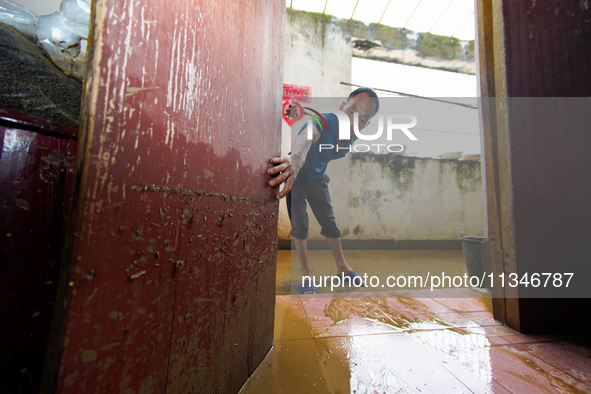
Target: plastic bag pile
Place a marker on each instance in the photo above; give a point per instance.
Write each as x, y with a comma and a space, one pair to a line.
62, 35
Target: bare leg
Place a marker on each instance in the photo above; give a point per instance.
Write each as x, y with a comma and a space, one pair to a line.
302, 249
339, 257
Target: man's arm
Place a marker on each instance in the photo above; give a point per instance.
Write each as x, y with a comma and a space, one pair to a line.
288, 167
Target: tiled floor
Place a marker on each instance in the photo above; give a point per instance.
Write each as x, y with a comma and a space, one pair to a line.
379, 344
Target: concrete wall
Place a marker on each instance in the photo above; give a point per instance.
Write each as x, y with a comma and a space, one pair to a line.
407, 198
317, 53
390, 197
394, 45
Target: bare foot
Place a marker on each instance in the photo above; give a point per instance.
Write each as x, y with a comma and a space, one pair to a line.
344, 270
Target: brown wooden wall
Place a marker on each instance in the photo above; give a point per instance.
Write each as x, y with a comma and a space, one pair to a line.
169, 285
536, 150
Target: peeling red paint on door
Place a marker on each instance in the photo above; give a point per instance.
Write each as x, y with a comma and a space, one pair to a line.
170, 282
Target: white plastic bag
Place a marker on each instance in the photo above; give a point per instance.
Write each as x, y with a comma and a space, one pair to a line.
56, 29
77, 13
19, 17
60, 33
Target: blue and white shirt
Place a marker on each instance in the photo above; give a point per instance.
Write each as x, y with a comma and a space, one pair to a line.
317, 159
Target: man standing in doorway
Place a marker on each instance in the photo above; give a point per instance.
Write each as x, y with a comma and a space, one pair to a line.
305, 171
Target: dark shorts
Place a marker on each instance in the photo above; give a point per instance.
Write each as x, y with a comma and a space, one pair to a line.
315, 192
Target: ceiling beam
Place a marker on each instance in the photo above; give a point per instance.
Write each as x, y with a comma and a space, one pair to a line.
354, 9
413, 14
384, 13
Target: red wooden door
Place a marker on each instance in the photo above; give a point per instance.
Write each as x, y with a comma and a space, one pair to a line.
36, 163
169, 284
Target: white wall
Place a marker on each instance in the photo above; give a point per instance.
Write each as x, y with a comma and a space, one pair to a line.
390, 197
316, 54
403, 198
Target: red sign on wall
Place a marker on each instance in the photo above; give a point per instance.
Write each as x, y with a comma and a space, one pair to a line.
293, 95
301, 93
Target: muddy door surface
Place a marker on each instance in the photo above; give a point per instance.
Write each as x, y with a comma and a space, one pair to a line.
169, 280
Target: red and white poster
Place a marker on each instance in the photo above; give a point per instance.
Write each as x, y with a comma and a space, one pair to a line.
293, 95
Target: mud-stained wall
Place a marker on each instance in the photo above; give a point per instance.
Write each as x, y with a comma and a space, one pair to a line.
389, 44
169, 281
317, 53
390, 197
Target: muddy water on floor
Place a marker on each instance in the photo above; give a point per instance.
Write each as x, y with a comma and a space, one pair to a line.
379, 309
408, 358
